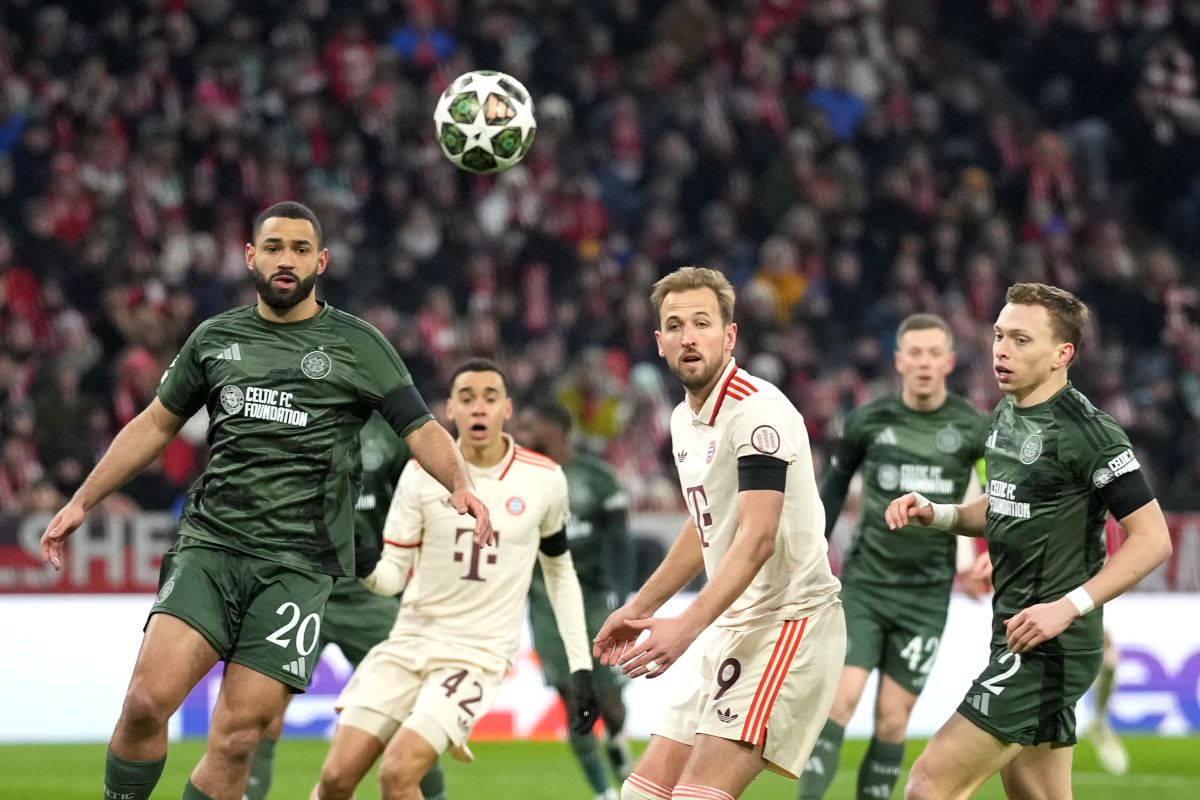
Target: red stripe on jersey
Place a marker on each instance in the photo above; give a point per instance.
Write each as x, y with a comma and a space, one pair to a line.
535, 462
401, 544
692, 790
508, 466
744, 385
534, 454
651, 788
721, 397
772, 681
735, 394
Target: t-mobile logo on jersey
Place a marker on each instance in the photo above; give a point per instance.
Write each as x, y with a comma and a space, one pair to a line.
472, 557
697, 500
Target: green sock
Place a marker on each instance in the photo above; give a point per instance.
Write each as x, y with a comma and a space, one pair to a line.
190, 792
822, 765
587, 753
261, 770
433, 785
879, 770
1105, 682
134, 780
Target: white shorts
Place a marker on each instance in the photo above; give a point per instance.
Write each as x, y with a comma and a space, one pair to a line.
772, 686
436, 695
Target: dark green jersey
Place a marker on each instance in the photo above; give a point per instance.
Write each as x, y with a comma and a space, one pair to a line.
1048, 467
597, 529
384, 455
285, 405
899, 450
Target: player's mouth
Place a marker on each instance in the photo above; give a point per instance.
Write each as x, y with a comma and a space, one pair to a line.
477, 431
1003, 374
284, 280
691, 358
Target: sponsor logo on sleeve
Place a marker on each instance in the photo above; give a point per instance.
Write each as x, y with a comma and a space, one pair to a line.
765, 439
1123, 464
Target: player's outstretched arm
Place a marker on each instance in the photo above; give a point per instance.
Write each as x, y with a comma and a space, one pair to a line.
137, 444
1147, 546
437, 454
684, 561
964, 519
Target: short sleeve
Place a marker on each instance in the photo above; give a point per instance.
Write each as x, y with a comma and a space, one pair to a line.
555, 518
764, 426
852, 447
183, 388
384, 382
406, 518
1099, 453
979, 434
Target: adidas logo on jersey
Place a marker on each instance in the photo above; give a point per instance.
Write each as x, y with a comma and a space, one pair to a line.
296, 668
680, 455
887, 436
726, 715
231, 353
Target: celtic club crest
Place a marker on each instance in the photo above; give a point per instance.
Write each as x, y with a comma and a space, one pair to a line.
316, 364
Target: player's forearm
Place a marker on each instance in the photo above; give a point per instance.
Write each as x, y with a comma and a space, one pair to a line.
566, 600
134, 447
390, 575
1147, 546
684, 561
759, 512
972, 517
438, 455
834, 486
618, 553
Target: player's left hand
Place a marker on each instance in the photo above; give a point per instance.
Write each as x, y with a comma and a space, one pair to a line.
583, 698
669, 638
465, 502
977, 581
1036, 624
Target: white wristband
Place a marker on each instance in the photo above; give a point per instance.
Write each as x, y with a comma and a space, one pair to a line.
945, 515
1081, 600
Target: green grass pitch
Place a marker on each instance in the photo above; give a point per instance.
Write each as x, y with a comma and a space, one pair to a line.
1163, 769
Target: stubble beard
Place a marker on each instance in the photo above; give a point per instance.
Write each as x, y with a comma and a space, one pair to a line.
282, 299
697, 382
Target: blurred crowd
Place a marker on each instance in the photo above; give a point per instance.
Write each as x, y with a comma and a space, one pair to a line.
844, 162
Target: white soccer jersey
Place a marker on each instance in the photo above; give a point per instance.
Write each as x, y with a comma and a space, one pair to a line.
746, 416
461, 595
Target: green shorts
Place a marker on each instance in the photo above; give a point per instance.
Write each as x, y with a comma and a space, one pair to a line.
1029, 698
356, 619
257, 613
549, 646
895, 630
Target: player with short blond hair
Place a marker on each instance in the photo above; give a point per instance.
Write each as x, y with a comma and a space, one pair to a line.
1056, 467
756, 527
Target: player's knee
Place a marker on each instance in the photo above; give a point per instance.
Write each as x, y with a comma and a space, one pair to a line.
143, 711
400, 771
919, 787
842, 709
891, 724
337, 783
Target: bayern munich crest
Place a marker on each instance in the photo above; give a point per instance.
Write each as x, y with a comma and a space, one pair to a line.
316, 364
232, 399
515, 506
712, 451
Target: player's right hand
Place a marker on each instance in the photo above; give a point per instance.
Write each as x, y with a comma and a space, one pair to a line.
55, 537
907, 509
616, 635
977, 581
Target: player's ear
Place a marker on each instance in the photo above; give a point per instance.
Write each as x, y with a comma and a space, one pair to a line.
249, 256
951, 361
322, 260
730, 336
508, 409
658, 340
1066, 352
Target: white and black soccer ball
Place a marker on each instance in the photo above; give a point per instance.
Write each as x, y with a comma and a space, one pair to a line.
484, 121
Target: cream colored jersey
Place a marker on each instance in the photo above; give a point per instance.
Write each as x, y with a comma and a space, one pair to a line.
463, 596
746, 416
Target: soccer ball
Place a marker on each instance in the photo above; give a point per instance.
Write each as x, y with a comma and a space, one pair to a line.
484, 121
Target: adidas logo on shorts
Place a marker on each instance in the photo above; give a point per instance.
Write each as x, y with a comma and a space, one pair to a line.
296, 668
726, 715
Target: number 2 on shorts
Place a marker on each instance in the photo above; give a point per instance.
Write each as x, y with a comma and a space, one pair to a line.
991, 683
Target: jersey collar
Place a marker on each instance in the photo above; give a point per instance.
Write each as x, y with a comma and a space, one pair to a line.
712, 405
500, 468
